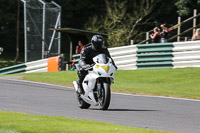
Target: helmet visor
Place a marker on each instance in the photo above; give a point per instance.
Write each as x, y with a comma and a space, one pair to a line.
97, 45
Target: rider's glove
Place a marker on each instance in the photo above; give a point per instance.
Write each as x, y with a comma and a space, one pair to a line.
86, 67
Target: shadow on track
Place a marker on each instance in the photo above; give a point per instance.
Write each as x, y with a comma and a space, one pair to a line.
125, 109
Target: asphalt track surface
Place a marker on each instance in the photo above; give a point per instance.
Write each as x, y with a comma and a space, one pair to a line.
157, 113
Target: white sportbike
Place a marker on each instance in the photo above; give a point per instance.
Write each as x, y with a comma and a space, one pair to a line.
96, 84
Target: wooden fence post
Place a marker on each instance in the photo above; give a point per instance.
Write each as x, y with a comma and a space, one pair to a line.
179, 30
194, 20
147, 37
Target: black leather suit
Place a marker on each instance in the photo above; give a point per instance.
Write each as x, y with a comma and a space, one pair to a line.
86, 58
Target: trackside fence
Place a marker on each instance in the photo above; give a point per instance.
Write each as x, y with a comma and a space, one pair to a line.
158, 55
44, 65
143, 56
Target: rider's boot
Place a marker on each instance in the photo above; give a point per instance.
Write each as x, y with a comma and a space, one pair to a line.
80, 88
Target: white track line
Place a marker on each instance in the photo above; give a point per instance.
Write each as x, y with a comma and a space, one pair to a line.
34, 82
125, 94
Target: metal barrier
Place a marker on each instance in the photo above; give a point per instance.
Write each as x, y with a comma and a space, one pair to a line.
34, 66
160, 55
125, 57
186, 54
75, 60
45, 65
154, 55
13, 69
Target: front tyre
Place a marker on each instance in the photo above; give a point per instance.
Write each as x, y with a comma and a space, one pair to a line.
81, 103
104, 100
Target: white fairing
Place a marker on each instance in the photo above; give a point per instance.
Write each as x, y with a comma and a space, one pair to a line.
103, 68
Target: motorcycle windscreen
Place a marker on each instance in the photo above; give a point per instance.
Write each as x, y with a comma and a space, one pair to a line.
102, 59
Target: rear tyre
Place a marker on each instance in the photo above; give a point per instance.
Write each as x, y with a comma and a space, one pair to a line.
81, 103
104, 101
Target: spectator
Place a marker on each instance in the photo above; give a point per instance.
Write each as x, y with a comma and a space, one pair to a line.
156, 35
196, 35
164, 33
79, 47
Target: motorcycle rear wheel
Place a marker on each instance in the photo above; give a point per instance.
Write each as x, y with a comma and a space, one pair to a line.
81, 103
104, 101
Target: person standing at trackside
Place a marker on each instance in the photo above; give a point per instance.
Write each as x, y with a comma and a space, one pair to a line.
79, 47
196, 35
156, 35
86, 60
164, 33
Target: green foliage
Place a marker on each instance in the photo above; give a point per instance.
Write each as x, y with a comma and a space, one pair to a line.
7, 60
7, 24
75, 13
185, 7
120, 20
114, 23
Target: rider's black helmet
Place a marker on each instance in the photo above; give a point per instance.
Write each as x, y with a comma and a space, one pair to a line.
97, 42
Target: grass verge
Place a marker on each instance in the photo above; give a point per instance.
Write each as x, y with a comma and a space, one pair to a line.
184, 82
11, 122
6, 61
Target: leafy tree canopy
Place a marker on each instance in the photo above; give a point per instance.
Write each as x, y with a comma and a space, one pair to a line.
185, 7
124, 20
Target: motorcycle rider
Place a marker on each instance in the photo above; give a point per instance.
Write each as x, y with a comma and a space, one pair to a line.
86, 58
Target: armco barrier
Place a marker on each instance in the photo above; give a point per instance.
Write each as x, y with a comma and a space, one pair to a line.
44, 65
125, 57
154, 55
75, 58
186, 54
160, 55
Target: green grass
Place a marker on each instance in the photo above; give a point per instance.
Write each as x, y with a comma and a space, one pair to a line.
6, 63
60, 78
11, 122
7, 59
184, 82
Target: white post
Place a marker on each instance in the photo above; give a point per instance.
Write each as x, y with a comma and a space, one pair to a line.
186, 39
43, 27
59, 26
194, 20
132, 42
179, 29
54, 32
25, 32
70, 56
147, 37
1, 50
59, 34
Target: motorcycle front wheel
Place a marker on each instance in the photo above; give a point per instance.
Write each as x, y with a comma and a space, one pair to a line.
104, 100
81, 103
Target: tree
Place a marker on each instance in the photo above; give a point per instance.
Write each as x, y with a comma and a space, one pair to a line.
121, 19
7, 24
185, 7
17, 35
